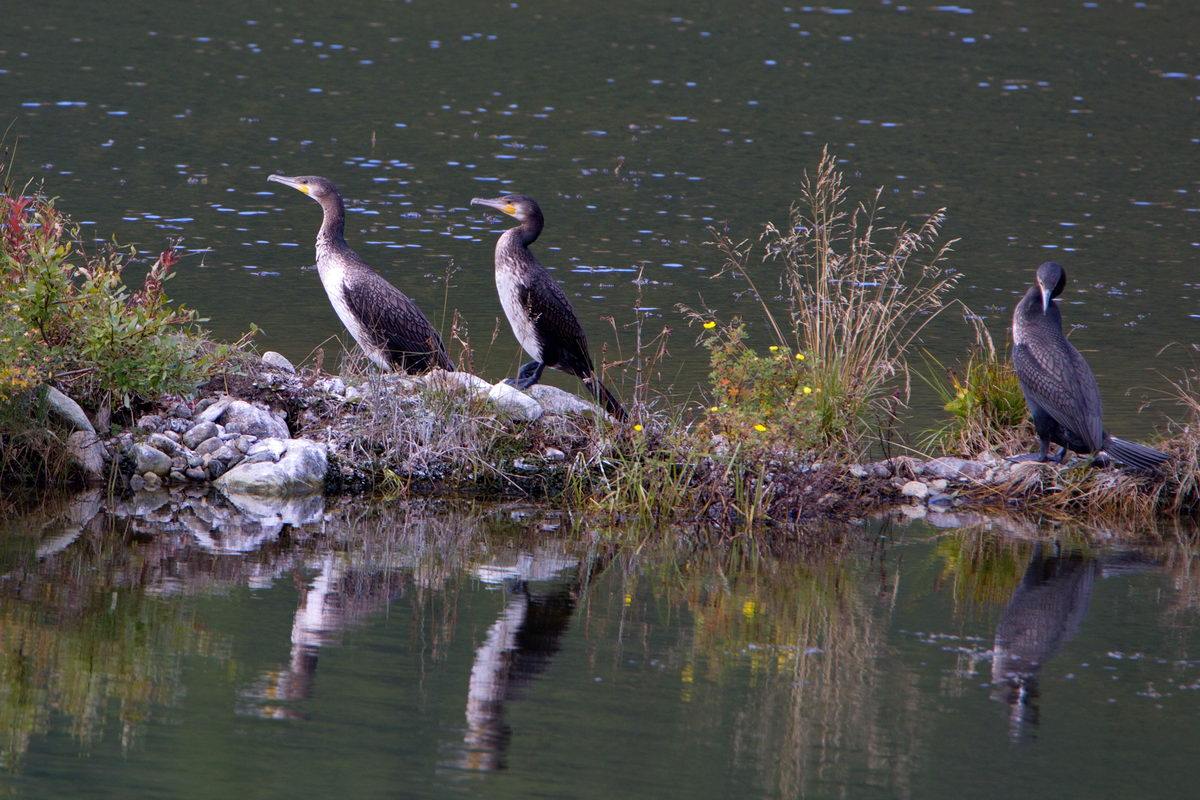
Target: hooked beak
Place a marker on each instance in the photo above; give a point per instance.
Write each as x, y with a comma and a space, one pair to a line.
498, 204
286, 181
1045, 299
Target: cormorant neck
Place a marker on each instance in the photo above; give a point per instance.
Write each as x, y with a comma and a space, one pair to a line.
333, 226
530, 229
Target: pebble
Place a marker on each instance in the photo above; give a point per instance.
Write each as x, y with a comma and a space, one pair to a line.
553, 454
177, 476
858, 470
137, 483
150, 422
153, 482
939, 485
209, 446
915, 489
196, 474
181, 411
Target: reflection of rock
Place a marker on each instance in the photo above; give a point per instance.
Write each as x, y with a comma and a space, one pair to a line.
300, 470
1044, 612
517, 648
285, 510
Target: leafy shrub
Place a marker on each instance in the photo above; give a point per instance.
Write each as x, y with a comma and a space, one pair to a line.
69, 319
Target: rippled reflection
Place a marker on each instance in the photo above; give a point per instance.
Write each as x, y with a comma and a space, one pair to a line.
467, 644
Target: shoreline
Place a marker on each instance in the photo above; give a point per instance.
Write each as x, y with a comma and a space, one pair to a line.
274, 438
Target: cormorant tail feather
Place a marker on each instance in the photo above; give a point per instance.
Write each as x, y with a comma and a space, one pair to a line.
1133, 454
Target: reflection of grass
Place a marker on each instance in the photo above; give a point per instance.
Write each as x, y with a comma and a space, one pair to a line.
122, 648
803, 630
982, 569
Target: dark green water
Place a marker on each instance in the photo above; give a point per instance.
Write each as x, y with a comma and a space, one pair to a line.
502, 652
1049, 130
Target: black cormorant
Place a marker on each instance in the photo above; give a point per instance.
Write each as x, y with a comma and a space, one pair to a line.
388, 326
1059, 387
536, 306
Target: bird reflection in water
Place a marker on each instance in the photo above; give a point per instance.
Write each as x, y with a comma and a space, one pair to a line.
542, 589
1044, 612
319, 614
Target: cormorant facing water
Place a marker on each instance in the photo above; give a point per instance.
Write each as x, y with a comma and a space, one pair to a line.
388, 326
1059, 387
536, 306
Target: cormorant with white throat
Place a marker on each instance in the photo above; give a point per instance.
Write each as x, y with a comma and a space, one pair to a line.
388, 326
536, 306
1059, 387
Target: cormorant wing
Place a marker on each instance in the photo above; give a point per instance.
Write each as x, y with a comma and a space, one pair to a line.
555, 324
396, 322
1057, 378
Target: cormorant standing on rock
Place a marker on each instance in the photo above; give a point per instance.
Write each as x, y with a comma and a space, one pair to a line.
1059, 387
388, 326
536, 306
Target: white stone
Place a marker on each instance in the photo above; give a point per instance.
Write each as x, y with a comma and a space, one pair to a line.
278, 361
915, 490
514, 402
301, 470
250, 418
953, 468
449, 382
67, 410
555, 401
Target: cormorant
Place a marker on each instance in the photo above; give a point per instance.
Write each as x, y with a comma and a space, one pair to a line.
388, 326
1059, 387
536, 306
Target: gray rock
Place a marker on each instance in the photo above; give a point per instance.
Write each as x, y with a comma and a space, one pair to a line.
226, 453
199, 432
214, 410
555, 401
176, 425
939, 485
915, 489
352, 395
179, 462
278, 362
177, 476
67, 411
209, 446
301, 470
232, 430
515, 403
137, 483
87, 452
253, 420
149, 422
195, 474
147, 459
941, 500
859, 471
153, 482
553, 454
952, 468
160, 442
181, 411
215, 468
273, 449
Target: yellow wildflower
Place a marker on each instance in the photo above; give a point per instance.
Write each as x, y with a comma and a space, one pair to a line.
638, 427
760, 427
799, 356
708, 326
713, 409
808, 390
774, 348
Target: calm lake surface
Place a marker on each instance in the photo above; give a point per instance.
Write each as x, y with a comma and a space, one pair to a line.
458, 651
1065, 131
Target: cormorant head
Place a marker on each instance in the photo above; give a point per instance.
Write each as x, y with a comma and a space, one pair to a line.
518, 206
314, 186
1051, 280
